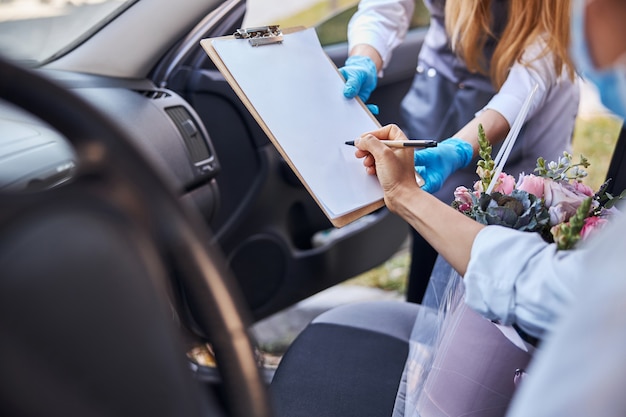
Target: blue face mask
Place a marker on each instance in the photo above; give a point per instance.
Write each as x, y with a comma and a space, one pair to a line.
611, 82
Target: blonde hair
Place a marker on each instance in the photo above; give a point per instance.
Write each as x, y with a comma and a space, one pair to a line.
469, 24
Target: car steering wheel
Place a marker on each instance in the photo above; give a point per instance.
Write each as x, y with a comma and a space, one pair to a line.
104, 149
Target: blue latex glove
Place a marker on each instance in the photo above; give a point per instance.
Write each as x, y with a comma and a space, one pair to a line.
436, 164
361, 78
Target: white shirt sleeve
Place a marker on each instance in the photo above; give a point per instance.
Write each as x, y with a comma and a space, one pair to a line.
521, 80
383, 24
516, 277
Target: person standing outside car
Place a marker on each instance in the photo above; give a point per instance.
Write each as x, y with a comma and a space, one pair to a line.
476, 65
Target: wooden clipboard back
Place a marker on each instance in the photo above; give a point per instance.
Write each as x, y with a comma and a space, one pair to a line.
207, 44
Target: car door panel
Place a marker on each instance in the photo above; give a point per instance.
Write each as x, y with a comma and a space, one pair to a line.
267, 219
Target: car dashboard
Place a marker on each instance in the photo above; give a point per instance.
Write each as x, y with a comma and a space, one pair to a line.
166, 129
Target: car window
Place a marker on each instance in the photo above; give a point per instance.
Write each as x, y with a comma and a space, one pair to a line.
35, 31
330, 17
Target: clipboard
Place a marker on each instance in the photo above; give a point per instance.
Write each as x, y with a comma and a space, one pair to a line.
294, 92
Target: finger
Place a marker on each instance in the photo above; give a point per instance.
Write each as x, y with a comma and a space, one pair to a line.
373, 108
353, 85
364, 93
369, 161
422, 157
343, 72
360, 153
421, 170
433, 181
390, 132
370, 144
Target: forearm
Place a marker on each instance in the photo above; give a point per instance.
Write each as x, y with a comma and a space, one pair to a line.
495, 125
504, 107
451, 233
382, 24
502, 110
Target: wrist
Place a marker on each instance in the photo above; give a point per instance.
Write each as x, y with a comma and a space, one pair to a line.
401, 200
464, 151
370, 52
363, 63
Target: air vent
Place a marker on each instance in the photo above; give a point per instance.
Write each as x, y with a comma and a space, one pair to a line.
196, 143
154, 94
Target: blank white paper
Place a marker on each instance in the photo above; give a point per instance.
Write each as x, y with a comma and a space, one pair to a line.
298, 93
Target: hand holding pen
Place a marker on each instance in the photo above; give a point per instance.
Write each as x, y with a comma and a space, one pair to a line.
412, 143
395, 170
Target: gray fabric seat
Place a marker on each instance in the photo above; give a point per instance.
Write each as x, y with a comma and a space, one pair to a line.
347, 362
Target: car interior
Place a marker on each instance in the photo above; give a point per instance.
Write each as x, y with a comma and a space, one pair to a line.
144, 212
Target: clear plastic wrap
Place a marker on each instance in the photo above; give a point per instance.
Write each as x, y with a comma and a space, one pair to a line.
459, 363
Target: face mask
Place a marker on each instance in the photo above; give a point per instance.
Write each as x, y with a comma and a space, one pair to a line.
611, 82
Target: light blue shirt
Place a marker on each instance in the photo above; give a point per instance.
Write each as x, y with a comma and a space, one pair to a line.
580, 370
516, 277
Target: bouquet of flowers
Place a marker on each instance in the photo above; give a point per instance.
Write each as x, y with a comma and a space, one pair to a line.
553, 201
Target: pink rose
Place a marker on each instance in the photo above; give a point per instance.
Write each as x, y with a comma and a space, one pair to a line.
555, 192
582, 188
463, 195
562, 212
505, 184
592, 224
562, 199
531, 184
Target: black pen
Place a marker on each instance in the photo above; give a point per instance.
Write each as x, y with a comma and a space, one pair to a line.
421, 143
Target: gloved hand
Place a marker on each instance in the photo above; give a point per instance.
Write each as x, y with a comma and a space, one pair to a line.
436, 164
361, 78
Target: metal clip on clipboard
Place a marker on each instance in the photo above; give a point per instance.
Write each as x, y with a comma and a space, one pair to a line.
263, 35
